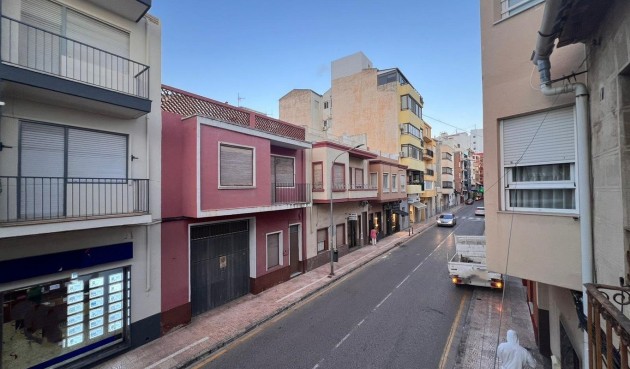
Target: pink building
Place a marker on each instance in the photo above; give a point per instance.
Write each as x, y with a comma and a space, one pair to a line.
233, 204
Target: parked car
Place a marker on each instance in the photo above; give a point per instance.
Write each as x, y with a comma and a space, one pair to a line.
480, 211
446, 220
469, 201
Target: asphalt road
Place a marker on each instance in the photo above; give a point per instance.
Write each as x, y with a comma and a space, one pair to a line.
396, 312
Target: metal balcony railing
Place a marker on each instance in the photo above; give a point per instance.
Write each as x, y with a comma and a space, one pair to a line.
607, 325
364, 186
33, 48
290, 193
25, 199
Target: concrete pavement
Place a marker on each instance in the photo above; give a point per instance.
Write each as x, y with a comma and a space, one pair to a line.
209, 332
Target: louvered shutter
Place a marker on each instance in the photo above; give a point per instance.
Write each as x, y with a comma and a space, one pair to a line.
542, 138
96, 154
39, 48
358, 178
318, 176
339, 234
42, 191
338, 177
283, 171
237, 166
95, 33
273, 250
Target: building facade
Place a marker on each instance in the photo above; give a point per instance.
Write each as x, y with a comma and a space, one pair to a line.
234, 204
80, 248
540, 174
381, 105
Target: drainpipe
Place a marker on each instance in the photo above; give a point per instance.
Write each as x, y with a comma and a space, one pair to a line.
544, 47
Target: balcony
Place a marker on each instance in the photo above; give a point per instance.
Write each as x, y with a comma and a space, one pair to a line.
607, 348
342, 192
286, 194
71, 72
427, 154
38, 200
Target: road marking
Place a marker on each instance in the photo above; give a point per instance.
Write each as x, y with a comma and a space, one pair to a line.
451, 334
361, 322
403, 281
343, 339
177, 353
382, 301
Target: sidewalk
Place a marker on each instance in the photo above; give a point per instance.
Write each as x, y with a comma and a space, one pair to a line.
213, 330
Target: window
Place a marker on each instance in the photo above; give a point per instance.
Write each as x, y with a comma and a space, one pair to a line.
236, 166
428, 185
273, 249
318, 176
410, 129
447, 184
339, 177
374, 181
391, 76
283, 171
513, 7
394, 183
447, 156
416, 177
408, 103
358, 178
411, 151
339, 234
385, 182
402, 182
325, 104
542, 178
447, 170
322, 239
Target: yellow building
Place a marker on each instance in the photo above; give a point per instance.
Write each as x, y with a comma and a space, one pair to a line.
383, 106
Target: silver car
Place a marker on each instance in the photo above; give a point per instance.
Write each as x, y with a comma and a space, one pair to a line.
446, 220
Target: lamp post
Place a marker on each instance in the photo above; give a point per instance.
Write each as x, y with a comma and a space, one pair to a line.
332, 220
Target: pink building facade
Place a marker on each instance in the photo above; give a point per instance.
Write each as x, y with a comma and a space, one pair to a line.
233, 204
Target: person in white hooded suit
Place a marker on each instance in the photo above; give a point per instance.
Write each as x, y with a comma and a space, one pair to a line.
513, 355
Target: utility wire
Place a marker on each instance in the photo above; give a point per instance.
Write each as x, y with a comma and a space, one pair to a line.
448, 124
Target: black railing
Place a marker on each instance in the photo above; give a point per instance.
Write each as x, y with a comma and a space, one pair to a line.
34, 48
50, 198
294, 193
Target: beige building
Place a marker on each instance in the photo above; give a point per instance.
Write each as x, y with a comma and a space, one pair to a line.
383, 106
79, 180
542, 223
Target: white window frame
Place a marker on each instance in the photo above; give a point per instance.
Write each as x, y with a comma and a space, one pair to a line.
394, 187
385, 182
403, 180
287, 157
253, 148
509, 11
280, 250
374, 185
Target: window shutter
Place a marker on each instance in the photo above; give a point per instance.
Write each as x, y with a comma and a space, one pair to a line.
318, 176
96, 154
283, 171
339, 234
553, 141
358, 178
237, 166
38, 49
95, 33
322, 235
273, 250
338, 177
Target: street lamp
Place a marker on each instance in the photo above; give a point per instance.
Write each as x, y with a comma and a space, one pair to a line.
332, 221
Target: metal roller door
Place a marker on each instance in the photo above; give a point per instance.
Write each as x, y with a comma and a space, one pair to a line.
219, 264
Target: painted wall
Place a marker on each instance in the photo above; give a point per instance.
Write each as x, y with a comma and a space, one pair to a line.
551, 254
302, 107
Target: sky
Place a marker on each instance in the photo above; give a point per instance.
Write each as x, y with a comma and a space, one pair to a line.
261, 50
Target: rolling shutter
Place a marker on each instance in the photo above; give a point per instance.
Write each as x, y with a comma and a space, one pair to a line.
95, 33
96, 154
273, 250
339, 233
338, 177
237, 166
283, 171
318, 176
38, 47
528, 142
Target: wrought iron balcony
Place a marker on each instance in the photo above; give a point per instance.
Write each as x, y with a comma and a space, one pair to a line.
290, 193
36, 49
25, 199
608, 326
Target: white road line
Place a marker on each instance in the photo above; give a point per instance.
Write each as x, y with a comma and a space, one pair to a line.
177, 353
343, 339
361, 322
403, 281
382, 301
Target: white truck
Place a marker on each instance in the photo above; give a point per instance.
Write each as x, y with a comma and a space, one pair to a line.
468, 265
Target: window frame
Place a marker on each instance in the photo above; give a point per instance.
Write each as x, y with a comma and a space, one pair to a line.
373, 184
343, 234
335, 186
280, 249
294, 174
235, 187
322, 187
394, 186
508, 11
385, 182
325, 241
357, 173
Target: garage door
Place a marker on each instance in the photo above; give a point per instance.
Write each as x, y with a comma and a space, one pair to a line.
219, 264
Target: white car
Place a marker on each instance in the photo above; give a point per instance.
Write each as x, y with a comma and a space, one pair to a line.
480, 211
446, 220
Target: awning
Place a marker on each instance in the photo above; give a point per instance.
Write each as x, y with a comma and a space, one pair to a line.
419, 205
400, 212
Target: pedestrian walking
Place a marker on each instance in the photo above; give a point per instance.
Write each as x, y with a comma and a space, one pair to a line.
373, 234
513, 355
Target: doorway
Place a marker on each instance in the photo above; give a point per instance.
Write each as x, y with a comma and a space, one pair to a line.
294, 249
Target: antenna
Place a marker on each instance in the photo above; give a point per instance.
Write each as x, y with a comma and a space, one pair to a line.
238, 99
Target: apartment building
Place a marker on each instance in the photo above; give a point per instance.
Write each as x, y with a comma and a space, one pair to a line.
80, 250
234, 203
556, 174
446, 189
380, 104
